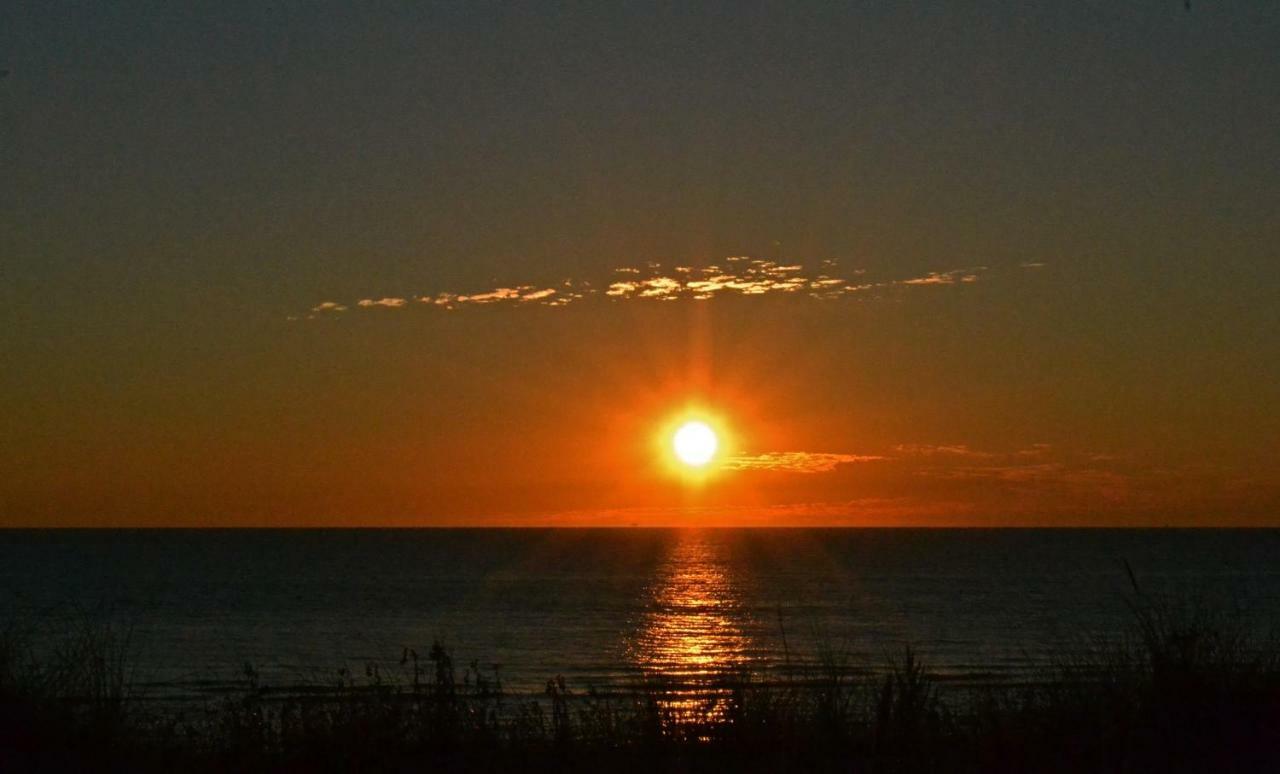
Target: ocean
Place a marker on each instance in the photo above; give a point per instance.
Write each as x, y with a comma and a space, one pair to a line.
605, 608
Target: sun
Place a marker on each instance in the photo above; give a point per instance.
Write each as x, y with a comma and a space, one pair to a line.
695, 443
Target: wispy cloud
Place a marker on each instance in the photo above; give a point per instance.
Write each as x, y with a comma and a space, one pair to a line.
523, 294
1109, 484
735, 275
865, 511
1037, 467
963, 450
933, 450
796, 461
946, 277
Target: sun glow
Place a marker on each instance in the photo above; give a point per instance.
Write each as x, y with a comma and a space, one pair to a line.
695, 443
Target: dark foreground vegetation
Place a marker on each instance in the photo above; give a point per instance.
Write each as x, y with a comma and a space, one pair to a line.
1183, 691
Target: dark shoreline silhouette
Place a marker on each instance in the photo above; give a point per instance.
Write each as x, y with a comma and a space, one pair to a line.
1184, 689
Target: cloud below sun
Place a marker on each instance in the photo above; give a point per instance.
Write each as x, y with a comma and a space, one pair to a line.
796, 461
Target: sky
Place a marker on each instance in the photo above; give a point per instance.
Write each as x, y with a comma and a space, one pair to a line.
415, 264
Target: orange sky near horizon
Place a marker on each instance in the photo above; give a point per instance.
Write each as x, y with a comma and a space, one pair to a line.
510, 432
1008, 264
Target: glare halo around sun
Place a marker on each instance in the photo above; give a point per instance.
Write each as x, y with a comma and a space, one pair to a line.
695, 443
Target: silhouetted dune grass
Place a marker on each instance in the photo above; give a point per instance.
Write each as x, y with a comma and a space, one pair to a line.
1186, 689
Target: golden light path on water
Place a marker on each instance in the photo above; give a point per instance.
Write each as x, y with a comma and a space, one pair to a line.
691, 640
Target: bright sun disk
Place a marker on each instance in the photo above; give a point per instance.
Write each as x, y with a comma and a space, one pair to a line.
695, 443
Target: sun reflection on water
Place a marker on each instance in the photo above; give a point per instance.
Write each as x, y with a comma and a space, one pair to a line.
691, 641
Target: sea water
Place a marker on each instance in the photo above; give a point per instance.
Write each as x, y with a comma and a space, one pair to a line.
606, 607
